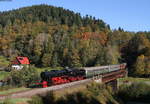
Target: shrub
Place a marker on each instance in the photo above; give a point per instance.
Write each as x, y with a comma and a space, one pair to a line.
94, 94
36, 100
102, 93
23, 77
135, 92
49, 98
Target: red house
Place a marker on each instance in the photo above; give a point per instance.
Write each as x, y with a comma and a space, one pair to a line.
19, 62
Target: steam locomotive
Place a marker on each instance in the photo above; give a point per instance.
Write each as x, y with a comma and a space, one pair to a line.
55, 77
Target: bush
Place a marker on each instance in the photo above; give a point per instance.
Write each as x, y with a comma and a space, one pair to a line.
36, 100
79, 97
102, 93
134, 92
49, 98
23, 77
94, 94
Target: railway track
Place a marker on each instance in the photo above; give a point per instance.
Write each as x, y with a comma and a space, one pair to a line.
37, 91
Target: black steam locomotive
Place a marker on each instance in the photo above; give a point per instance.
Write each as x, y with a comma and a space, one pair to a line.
55, 77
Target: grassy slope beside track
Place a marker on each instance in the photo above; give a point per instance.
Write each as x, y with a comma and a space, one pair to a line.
3, 75
13, 90
129, 80
15, 101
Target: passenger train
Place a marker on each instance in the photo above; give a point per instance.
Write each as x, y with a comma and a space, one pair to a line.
55, 77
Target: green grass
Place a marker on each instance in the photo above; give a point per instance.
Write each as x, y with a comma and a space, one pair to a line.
9, 91
131, 79
3, 75
48, 69
15, 100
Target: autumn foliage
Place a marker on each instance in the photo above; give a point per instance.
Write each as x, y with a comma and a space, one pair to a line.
51, 36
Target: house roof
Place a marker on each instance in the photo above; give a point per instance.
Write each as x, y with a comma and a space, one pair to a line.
23, 60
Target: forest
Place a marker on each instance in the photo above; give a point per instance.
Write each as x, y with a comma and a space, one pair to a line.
55, 37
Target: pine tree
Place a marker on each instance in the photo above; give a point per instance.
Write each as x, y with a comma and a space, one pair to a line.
54, 62
46, 60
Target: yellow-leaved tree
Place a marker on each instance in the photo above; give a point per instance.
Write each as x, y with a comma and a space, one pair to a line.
139, 66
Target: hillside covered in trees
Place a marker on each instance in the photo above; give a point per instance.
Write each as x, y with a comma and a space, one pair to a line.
53, 36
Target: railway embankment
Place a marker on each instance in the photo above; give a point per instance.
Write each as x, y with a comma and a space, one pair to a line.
36, 91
